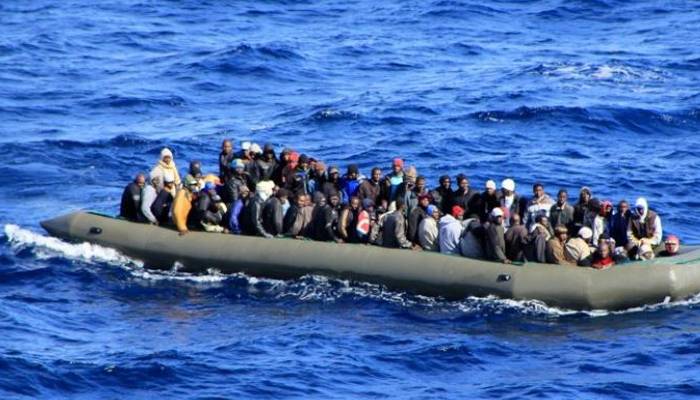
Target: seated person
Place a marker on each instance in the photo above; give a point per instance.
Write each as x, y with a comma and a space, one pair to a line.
578, 249
183, 218
603, 255
450, 231
160, 208
131, 198
210, 209
644, 228
556, 246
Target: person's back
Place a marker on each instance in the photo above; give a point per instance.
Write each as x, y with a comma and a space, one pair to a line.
394, 230
161, 206
516, 242
495, 237
148, 196
556, 246
273, 216
577, 250
182, 207
471, 245
131, 198
450, 232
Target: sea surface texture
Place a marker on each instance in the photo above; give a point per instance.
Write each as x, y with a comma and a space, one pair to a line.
600, 93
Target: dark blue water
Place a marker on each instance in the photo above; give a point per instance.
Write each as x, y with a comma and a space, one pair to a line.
570, 93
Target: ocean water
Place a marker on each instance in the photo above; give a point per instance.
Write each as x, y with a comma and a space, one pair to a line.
570, 93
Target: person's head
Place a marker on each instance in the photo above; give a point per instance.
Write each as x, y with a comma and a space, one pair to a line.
641, 206
320, 168
672, 244
209, 188
245, 146
515, 219
243, 192
497, 215
491, 187
354, 203
623, 207
268, 152
585, 233
463, 182
411, 175
238, 166
353, 171
304, 162
255, 150
334, 199
594, 206
285, 155
283, 195
561, 232
333, 174
376, 174
542, 219
264, 189
397, 165
445, 182
196, 169
457, 212
562, 197
166, 156
400, 204
424, 200
319, 199
433, 211
312, 163
603, 247
420, 183
140, 180
227, 146
538, 190
191, 184
606, 208
368, 205
156, 181
301, 200
584, 195
508, 187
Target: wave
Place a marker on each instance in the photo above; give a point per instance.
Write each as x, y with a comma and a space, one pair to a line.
119, 101
245, 59
308, 288
613, 72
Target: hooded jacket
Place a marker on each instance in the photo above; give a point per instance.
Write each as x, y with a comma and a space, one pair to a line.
450, 234
131, 202
162, 169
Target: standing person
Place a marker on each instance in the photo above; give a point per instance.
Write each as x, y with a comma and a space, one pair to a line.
131, 198
394, 229
148, 196
182, 206
443, 196
195, 172
600, 224
266, 165
316, 230
236, 224
581, 208
556, 246
495, 236
428, 229
489, 199
350, 183
540, 203
347, 225
160, 208
236, 180
451, 229
406, 191
392, 181
516, 239
421, 188
332, 184
371, 188
562, 213
511, 202
225, 157
644, 228
298, 181
327, 226
466, 197
282, 167
166, 164
619, 223
416, 216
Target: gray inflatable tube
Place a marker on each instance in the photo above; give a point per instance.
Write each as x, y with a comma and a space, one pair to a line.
426, 273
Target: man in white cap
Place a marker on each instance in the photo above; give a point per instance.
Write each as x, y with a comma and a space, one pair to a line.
578, 250
495, 241
644, 228
510, 202
489, 199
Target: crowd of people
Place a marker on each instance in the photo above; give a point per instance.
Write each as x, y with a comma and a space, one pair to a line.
296, 196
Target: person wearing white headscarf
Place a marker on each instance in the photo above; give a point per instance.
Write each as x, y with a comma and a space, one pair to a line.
166, 166
644, 227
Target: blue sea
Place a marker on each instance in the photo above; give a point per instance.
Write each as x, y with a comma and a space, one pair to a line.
602, 93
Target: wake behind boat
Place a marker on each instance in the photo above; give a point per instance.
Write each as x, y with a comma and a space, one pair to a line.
428, 273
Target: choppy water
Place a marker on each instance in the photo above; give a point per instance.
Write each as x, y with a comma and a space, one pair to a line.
602, 93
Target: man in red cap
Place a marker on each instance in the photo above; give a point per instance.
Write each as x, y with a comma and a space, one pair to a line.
451, 229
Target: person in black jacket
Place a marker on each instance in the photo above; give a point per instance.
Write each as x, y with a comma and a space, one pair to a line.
238, 178
131, 198
273, 212
416, 216
328, 224
164, 200
263, 191
466, 197
266, 165
225, 158
443, 196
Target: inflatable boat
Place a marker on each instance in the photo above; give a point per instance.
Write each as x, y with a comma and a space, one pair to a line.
427, 273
